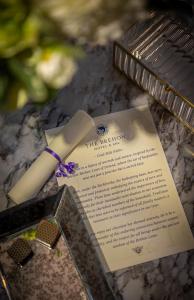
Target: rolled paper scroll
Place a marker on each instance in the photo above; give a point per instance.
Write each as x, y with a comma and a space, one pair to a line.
34, 178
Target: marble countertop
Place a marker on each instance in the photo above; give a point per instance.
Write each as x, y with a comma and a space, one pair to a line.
99, 89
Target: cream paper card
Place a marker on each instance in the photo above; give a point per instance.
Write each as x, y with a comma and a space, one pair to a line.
126, 190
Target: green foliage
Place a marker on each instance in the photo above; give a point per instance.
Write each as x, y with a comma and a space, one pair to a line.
29, 235
28, 42
35, 57
28, 78
58, 253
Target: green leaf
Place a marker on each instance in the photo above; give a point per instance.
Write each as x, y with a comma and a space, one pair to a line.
12, 10
58, 252
3, 87
12, 17
31, 82
15, 37
11, 97
29, 235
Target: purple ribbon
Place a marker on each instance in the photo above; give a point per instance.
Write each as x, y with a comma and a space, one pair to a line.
62, 169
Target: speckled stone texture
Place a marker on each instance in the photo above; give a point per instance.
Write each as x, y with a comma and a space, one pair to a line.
50, 274
99, 89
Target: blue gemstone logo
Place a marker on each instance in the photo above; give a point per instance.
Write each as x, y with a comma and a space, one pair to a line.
101, 129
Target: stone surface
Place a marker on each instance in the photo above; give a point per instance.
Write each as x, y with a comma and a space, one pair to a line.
99, 89
45, 267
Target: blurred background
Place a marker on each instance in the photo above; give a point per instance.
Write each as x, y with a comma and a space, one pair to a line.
41, 42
